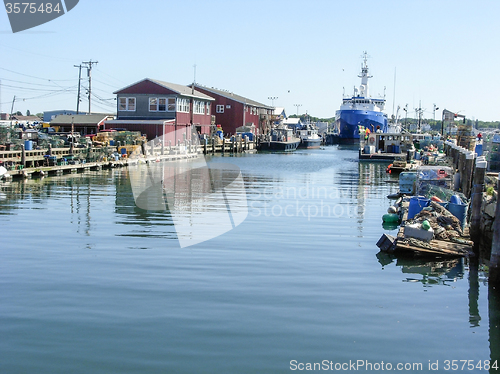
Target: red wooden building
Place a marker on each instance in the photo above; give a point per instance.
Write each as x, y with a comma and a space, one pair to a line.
158, 108
232, 111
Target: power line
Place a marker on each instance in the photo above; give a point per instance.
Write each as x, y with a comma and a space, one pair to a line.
32, 76
23, 82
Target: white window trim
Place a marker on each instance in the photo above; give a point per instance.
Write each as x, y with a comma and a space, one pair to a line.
149, 104
127, 104
183, 105
219, 109
158, 104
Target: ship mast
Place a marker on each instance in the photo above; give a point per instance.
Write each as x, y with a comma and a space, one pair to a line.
363, 88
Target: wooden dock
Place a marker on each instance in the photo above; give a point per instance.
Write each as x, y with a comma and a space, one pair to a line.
80, 167
415, 247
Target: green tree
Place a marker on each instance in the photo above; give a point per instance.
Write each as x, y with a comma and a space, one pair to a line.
28, 113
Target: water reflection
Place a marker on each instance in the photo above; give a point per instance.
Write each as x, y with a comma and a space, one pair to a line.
203, 201
432, 273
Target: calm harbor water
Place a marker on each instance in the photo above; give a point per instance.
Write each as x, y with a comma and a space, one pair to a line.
90, 283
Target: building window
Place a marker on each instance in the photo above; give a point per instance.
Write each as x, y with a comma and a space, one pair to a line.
208, 109
153, 104
159, 104
162, 104
126, 104
199, 107
183, 105
171, 104
219, 109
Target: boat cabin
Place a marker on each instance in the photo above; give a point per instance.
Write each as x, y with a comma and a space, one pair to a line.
388, 143
282, 134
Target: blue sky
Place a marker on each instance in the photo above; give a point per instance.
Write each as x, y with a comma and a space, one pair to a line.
303, 52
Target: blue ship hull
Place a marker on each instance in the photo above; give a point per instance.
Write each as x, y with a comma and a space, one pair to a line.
347, 123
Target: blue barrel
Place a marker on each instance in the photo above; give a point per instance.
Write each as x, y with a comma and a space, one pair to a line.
111, 143
479, 149
459, 211
28, 145
123, 151
395, 149
417, 203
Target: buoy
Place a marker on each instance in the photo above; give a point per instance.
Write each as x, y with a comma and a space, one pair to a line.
390, 217
388, 170
426, 225
392, 210
436, 199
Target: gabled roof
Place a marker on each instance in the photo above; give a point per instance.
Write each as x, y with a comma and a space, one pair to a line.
25, 118
233, 96
80, 119
174, 88
279, 111
291, 121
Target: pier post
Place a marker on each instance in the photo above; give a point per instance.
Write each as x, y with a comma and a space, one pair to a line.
205, 142
477, 198
234, 144
495, 244
23, 156
213, 145
467, 173
223, 145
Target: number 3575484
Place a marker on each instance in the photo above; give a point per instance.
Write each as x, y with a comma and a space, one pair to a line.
32, 8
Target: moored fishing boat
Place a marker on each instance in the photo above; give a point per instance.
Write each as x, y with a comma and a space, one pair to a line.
281, 139
309, 137
360, 112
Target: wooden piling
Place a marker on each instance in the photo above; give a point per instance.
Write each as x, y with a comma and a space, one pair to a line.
467, 173
23, 156
223, 145
495, 244
477, 198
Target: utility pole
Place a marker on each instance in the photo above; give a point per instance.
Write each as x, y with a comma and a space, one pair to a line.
89, 74
272, 98
12, 109
79, 85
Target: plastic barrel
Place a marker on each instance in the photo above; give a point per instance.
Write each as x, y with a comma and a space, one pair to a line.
28, 145
417, 203
479, 149
459, 211
395, 148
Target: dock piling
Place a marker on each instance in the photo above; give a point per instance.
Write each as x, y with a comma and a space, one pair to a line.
495, 244
477, 198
